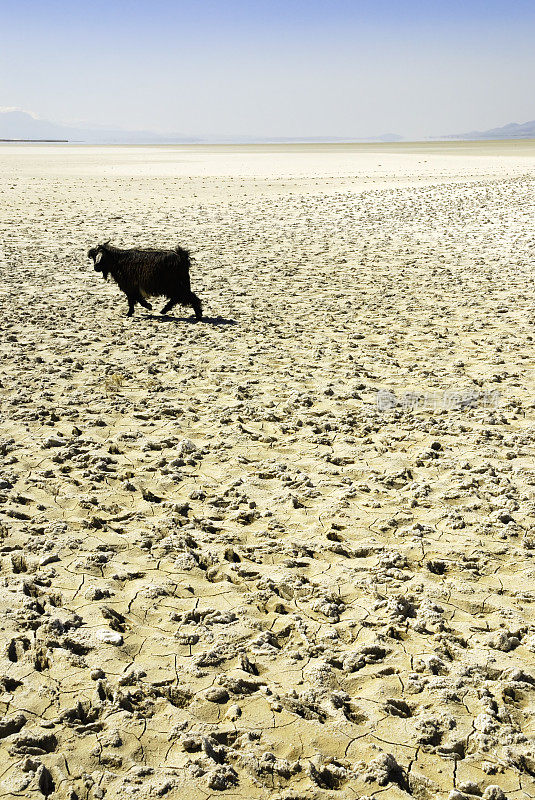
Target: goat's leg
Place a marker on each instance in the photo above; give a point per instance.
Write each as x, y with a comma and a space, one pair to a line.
143, 302
131, 305
194, 301
187, 300
168, 306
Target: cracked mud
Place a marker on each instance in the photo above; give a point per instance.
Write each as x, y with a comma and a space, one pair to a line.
286, 552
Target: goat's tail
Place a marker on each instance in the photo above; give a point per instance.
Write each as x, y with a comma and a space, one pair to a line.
183, 255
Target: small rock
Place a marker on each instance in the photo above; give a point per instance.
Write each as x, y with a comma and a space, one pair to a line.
186, 446
10, 725
233, 712
504, 641
109, 637
494, 792
217, 694
30, 765
222, 778
505, 517
54, 441
470, 788
45, 781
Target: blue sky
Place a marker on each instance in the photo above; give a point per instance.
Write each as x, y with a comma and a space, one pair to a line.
293, 68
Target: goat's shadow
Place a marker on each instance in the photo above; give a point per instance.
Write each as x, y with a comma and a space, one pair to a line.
215, 321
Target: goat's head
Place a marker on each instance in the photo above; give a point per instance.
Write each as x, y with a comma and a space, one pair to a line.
100, 256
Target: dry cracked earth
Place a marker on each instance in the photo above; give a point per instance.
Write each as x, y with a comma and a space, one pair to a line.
286, 552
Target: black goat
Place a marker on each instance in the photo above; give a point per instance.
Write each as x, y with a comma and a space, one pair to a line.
148, 273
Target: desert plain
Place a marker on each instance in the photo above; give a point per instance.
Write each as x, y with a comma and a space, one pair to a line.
286, 552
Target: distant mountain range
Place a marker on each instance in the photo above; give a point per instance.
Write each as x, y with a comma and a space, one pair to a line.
513, 130
17, 125
22, 126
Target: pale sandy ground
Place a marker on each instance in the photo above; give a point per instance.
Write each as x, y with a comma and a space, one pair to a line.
231, 565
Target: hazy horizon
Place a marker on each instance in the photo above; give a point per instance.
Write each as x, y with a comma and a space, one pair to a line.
293, 69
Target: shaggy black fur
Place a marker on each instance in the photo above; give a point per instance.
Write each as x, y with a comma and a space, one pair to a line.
148, 273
